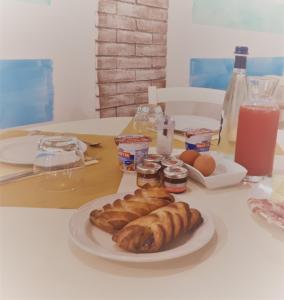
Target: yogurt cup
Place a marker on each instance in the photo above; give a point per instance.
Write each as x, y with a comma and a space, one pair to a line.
131, 151
198, 139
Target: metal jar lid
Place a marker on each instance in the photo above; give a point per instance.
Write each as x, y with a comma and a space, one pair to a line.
171, 161
132, 139
175, 172
155, 158
148, 168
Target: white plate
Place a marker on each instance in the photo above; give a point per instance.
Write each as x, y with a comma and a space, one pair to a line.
97, 242
22, 150
227, 173
265, 200
193, 122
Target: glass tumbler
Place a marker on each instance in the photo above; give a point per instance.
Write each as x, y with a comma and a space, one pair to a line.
257, 129
59, 160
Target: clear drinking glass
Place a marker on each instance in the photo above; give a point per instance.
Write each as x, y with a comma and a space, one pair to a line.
146, 117
257, 129
59, 160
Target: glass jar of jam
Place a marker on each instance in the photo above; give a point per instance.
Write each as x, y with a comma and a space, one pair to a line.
175, 179
148, 174
168, 162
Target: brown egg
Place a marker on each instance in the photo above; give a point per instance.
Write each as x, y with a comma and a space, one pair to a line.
205, 164
189, 156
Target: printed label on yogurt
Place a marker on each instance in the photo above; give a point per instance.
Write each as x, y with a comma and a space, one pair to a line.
200, 143
130, 155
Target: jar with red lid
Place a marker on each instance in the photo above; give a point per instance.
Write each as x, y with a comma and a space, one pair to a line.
175, 179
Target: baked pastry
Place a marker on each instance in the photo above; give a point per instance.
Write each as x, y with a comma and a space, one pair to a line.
154, 231
196, 219
154, 192
113, 217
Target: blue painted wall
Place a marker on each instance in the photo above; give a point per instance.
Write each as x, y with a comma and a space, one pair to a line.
26, 92
253, 15
216, 73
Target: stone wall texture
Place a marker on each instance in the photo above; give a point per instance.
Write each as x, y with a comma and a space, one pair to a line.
130, 53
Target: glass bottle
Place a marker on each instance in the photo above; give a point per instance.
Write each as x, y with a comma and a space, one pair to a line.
146, 118
257, 129
235, 95
165, 135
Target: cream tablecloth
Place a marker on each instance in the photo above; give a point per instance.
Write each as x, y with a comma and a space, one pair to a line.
243, 261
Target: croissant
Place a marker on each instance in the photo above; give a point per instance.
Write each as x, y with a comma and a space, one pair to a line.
113, 217
153, 232
196, 219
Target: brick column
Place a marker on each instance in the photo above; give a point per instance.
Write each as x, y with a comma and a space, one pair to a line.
131, 53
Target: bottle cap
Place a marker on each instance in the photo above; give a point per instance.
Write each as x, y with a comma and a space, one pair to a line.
241, 50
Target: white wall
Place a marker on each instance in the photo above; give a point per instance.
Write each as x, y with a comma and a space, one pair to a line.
187, 40
63, 32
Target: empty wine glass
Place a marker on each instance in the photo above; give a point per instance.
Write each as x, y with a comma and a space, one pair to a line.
146, 118
59, 159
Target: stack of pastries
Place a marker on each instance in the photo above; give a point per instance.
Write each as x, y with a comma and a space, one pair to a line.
146, 221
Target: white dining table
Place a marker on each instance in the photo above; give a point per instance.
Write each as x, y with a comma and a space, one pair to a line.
243, 260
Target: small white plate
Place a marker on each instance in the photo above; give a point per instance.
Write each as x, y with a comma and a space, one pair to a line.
95, 241
22, 150
227, 173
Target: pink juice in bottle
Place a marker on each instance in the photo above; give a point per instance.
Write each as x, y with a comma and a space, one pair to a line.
256, 138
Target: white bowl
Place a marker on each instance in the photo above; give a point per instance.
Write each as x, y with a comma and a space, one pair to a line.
227, 173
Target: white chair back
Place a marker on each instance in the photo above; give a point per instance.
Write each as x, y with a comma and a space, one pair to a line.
188, 100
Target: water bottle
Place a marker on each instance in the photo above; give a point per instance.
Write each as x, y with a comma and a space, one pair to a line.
235, 96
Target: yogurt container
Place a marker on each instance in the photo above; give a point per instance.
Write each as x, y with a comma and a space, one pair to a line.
198, 139
131, 151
